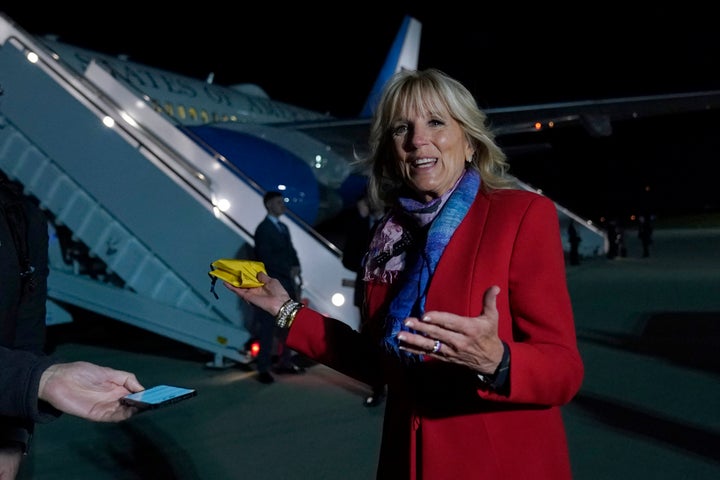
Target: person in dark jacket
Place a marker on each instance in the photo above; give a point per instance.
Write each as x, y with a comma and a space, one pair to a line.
37, 388
574, 239
645, 231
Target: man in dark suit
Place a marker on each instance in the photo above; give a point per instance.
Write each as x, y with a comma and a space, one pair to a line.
273, 247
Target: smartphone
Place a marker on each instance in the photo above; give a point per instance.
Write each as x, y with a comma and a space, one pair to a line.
158, 396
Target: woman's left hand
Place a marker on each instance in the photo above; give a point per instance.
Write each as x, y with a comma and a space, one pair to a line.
469, 341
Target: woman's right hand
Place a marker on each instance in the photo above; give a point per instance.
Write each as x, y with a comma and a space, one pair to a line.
269, 297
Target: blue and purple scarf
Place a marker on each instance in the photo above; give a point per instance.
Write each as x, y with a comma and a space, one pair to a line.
414, 268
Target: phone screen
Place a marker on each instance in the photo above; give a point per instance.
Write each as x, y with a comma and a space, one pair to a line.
158, 396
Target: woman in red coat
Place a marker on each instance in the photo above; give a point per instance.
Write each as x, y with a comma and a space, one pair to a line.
472, 325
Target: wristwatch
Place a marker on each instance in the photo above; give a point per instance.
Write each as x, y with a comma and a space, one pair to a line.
497, 379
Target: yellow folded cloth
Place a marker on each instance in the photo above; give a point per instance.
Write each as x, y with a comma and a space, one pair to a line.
240, 273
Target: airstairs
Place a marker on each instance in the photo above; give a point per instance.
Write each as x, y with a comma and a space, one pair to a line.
132, 200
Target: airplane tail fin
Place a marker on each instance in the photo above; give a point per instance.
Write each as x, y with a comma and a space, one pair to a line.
403, 55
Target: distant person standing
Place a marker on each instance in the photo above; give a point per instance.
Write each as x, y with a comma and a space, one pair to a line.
616, 238
574, 240
620, 239
645, 231
273, 247
612, 240
360, 230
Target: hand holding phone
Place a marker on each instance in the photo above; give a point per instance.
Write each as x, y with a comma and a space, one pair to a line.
158, 396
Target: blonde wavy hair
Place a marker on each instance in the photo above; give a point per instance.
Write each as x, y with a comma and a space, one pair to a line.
429, 90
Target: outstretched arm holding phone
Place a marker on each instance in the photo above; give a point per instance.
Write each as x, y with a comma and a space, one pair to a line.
37, 390
88, 391
40, 388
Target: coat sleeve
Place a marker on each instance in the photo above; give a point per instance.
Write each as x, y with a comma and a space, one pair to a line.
19, 381
336, 345
545, 364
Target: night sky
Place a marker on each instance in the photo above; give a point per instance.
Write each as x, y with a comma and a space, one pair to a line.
326, 59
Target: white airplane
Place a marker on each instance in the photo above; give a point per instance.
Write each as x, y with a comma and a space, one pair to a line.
142, 197
148, 176
242, 121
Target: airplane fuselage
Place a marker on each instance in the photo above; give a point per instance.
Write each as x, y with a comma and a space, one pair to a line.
188, 100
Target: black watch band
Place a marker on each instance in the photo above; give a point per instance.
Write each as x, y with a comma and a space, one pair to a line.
497, 379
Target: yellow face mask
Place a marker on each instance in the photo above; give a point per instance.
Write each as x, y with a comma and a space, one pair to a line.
239, 273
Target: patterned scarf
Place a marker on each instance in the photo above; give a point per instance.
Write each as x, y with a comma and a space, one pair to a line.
439, 218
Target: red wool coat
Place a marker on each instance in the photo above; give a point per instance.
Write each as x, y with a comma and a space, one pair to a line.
439, 423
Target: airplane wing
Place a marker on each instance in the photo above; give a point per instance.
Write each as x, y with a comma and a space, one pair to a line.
596, 116
349, 137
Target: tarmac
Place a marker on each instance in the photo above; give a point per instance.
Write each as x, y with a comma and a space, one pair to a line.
649, 408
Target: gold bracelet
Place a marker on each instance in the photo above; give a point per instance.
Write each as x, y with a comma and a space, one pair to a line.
287, 312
